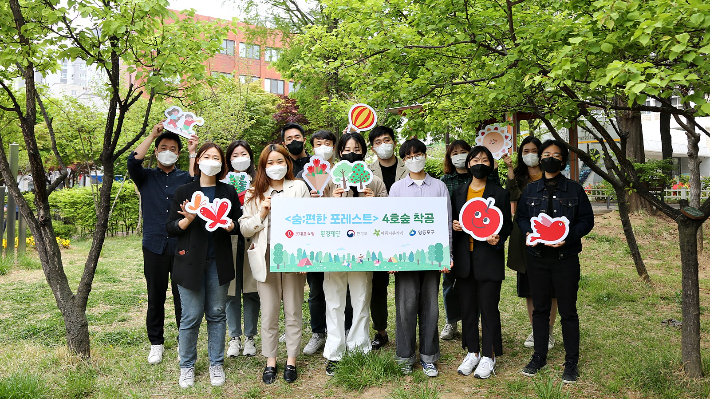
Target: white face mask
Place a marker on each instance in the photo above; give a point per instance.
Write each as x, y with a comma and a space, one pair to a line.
240, 164
459, 160
531, 159
324, 151
276, 172
416, 164
167, 158
210, 167
384, 151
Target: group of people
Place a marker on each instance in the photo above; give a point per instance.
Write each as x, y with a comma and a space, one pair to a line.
213, 272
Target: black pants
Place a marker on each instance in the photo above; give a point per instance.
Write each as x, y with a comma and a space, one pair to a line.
157, 270
480, 297
550, 274
316, 302
378, 302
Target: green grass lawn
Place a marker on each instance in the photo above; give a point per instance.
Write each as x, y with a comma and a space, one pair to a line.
626, 351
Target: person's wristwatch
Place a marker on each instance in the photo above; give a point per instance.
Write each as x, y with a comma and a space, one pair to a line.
192, 156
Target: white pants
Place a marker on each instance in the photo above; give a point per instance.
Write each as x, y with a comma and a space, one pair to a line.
335, 287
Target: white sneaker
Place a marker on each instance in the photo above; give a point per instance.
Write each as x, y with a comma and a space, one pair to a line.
235, 345
282, 338
485, 368
449, 331
217, 375
530, 342
316, 343
551, 342
156, 354
187, 377
469, 363
249, 347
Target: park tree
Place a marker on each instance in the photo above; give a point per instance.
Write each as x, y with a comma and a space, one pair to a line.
143, 38
233, 110
574, 64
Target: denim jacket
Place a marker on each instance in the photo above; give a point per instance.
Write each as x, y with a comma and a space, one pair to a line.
569, 200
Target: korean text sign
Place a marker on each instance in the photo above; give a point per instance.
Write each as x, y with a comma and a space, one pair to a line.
359, 234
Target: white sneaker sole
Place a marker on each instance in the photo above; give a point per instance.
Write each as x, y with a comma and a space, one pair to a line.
482, 377
463, 373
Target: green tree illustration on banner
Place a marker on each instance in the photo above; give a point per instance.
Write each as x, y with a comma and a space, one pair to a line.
430, 254
277, 254
439, 253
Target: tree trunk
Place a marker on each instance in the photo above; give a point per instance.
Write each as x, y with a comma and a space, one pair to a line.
630, 125
666, 140
622, 199
695, 183
690, 332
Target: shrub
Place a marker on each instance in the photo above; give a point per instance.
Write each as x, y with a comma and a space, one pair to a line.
74, 207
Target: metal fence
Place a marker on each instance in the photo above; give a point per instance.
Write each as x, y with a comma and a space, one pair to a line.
670, 194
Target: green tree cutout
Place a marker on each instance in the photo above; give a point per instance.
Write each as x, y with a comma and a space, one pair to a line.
277, 254
341, 173
360, 175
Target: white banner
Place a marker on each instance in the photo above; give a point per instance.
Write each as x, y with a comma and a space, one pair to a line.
359, 234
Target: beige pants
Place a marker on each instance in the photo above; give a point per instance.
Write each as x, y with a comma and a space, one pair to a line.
286, 287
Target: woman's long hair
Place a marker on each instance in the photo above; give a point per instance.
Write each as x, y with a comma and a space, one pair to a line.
449, 167
262, 182
522, 177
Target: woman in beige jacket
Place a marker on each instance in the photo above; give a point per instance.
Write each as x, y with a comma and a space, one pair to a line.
274, 177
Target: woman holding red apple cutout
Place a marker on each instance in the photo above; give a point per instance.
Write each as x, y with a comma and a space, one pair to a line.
479, 266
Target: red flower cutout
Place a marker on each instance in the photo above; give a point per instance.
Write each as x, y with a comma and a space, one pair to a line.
316, 162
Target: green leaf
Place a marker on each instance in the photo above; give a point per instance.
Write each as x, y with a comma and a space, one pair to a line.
607, 47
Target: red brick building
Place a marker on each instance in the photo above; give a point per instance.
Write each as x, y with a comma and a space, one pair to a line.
249, 59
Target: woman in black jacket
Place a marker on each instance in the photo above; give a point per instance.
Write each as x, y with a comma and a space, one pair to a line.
555, 267
479, 266
204, 264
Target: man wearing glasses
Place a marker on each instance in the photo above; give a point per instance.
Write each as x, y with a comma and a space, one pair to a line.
390, 169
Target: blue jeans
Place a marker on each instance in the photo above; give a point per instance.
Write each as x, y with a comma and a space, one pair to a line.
251, 313
209, 301
451, 299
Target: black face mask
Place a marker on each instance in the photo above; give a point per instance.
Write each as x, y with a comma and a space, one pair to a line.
351, 157
480, 170
550, 165
295, 147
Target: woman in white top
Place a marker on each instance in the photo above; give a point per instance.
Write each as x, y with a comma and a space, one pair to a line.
352, 148
274, 177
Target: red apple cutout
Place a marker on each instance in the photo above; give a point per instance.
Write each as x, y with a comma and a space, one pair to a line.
480, 218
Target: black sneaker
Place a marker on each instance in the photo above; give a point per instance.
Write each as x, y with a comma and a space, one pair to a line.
330, 367
379, 341
536, 363
571, 373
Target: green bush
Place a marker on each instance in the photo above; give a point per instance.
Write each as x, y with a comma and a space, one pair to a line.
74, 208
434, 167
64, 230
